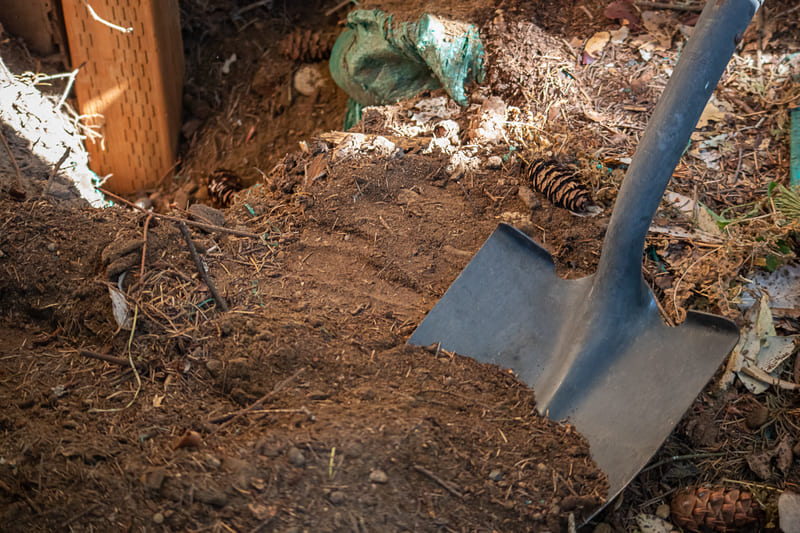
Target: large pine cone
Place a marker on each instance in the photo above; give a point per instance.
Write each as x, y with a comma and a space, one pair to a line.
713, 509
307, 45
561, 184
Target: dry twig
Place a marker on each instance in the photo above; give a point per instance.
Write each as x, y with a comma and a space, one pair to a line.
55, 170
227, 420
667, 5
202, 269
201, 225
110, 359
144, 245
448, 486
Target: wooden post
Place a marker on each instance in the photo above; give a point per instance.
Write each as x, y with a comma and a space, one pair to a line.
129, 87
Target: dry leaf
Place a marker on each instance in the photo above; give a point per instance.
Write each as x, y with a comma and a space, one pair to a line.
660, 27
711, 113
596, 43
625, 12
619, 36
593, 115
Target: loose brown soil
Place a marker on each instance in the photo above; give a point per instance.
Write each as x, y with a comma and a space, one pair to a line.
320, 310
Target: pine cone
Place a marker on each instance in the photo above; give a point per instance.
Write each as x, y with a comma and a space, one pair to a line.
222, 184
307, 45
713, 509
559, 183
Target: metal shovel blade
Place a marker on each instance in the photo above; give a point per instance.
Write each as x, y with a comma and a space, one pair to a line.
596, 350
509, 308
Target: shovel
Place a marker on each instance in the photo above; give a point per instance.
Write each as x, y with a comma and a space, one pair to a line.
596, 350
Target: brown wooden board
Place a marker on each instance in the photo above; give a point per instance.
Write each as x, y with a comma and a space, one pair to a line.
129, 86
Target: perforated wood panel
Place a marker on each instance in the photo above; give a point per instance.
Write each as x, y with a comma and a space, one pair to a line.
130, 85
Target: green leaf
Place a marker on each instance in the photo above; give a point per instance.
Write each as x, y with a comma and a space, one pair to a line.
783, 246
773, 262
771, 187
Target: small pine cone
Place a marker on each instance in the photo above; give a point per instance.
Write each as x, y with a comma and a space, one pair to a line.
222, 185
559, 183
307, 45
713, 509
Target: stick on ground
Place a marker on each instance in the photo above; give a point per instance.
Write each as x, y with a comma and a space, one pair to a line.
111, 359
227, 420
201, 269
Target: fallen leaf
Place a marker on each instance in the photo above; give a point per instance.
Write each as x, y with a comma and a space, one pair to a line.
660, 29
592, 115
760, 348
783, 455
625, 12
694, 212
596, 43
619, 36
711, 113
759, 463
783, 286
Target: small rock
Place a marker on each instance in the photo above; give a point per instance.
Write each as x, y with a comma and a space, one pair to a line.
181, 199
269, 449
309, 79
789, 512
663, 511
214, 367
51, 247
239, 368
158, 518
213, 462
190, 439
214, 497
496, 475
144, 202
602, 527
378, 476
353, 450
154, 479
336, 497
495, 162
296, 457
757, 416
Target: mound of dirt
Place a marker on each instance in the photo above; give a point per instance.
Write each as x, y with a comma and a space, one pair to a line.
309, 410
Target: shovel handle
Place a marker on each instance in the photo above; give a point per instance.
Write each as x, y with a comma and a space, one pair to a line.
717, 33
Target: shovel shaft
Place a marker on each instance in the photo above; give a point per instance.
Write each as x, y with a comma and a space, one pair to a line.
701, 63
